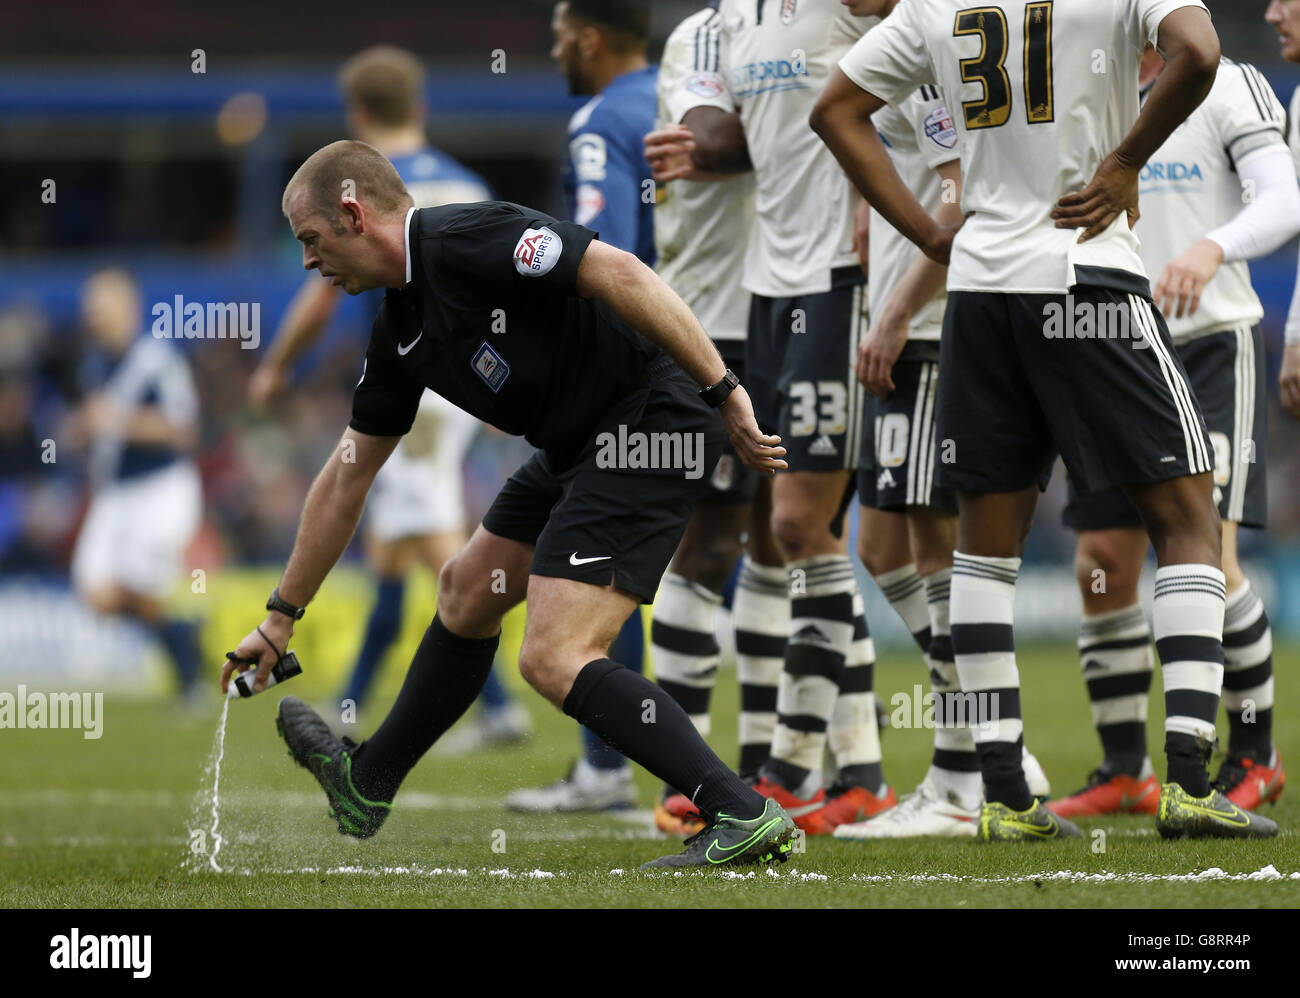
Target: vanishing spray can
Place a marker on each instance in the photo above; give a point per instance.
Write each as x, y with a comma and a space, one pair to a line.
241, 686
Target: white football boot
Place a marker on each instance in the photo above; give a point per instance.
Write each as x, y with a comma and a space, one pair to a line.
584, 789
929, 811
1034, 776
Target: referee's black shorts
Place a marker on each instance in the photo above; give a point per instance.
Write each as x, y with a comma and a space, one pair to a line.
619, 512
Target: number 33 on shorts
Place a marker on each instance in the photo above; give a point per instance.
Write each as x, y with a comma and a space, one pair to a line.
820, 407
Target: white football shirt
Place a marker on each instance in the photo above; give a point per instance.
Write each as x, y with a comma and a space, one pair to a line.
1041, 92
778, 56
920, 136
1190, 187
701, 228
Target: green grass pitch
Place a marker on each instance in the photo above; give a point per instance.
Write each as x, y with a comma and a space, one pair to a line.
123, 821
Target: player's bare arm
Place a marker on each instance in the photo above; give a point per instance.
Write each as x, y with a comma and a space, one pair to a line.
1190, 47
842, 118
329, 519
641, 298
707, 144
922, 280
1288, 379
306, 318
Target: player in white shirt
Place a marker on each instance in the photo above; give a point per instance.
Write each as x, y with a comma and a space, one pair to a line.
1220, 191
807, 314
907, 525
147, 501
701, 230
1045, 99
1284, 15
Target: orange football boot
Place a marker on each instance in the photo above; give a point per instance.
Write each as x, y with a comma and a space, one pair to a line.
853, 805
676, 815
806, 813
1117, 794
1250, 784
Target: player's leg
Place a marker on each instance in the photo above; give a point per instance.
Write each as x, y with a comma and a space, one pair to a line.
565, 658
684, 628
683, 632
760, 613
1252, 772
954, 772
829, 663
1115, 655
995, 449
1225, 370
389, 560
1148, 435
134, 559
476, 589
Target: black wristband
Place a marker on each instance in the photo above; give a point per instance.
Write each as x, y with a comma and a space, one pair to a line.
274, 602
715, 395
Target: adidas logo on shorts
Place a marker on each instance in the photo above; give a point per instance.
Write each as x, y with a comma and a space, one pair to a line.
822, 447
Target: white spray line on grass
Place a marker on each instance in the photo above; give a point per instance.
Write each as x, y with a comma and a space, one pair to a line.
1268, 874
102, 797
216, 787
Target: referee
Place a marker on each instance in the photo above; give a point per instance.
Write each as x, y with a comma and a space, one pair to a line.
531, 325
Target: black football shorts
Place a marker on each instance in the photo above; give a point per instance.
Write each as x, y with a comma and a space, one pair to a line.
619, 512
1092, 374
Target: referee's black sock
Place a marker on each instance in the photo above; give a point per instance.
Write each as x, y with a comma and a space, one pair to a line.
649, 727
445, 677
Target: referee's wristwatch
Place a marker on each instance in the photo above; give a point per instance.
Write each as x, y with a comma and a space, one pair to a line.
274, 602
715, 395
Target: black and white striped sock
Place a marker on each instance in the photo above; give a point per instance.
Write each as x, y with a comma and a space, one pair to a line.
854, 735
954, 765
905, 590
1248, 675
983, 600
821, 634
685, 646
1117, 660
1188, 623
760, 614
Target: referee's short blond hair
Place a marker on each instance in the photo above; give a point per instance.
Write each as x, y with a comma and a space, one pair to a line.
386, 82
347, 167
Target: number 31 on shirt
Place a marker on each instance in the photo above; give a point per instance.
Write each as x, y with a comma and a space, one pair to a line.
990, 66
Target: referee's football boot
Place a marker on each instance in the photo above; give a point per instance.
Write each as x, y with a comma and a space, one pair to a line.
999, 823
314, 747
1210, 817
728, 841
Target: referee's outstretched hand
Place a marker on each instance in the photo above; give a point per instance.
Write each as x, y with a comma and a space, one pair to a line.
254, 652
759, 451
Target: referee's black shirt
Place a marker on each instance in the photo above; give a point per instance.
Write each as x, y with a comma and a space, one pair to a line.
492, 322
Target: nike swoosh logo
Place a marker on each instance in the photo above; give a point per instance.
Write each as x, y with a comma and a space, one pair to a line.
1236, 816
729, 852
1042, 831
1128, 801
575, 560
402, 351
799, 812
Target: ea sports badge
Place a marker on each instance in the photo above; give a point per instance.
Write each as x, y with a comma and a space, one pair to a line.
490, 366
537, 251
